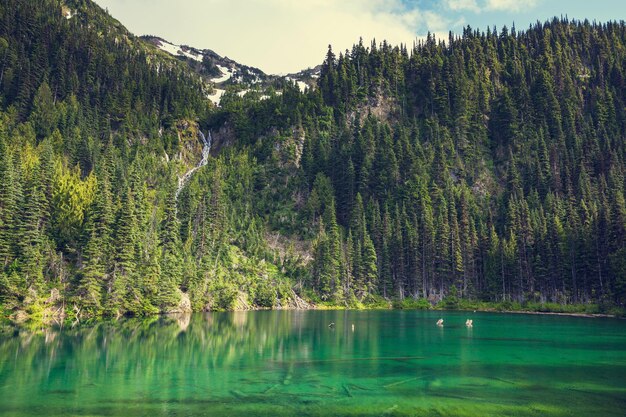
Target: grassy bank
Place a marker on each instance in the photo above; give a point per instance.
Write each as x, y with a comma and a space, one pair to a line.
510, 306
380, 303
455, 303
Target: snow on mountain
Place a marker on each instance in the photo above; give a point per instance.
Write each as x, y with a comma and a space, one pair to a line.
307, 74
301, 84
177, 50
194, 56
216, 96
210, 65
227, 75
168, 47
223, 73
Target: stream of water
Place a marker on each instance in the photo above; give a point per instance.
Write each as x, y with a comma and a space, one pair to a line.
206, 150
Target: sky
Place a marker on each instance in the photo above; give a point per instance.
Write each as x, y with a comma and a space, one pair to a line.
286, 36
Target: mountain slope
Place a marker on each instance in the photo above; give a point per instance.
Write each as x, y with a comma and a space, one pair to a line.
96, 128
216, 68
226, 74
488, 168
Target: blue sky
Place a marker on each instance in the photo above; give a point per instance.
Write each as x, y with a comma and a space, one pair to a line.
483, 13
282, 36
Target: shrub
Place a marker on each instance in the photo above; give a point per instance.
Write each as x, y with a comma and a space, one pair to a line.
265, 295
412, 304
225, 297
4, 315
376, 301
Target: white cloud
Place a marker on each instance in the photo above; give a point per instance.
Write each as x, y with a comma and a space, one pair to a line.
278, 36
462, 5
491, 5
510, 5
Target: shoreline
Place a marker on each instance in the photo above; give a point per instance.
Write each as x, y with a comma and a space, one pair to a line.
552, 313
21, 320
477, 310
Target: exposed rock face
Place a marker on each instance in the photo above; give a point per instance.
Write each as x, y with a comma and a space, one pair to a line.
190, 145
379, 105
184, 304
224, 137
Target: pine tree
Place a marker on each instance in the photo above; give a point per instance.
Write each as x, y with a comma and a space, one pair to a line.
334, 252
94, 276
369, 269
171, 261
44, 114
31, 232
8, 205
125, 257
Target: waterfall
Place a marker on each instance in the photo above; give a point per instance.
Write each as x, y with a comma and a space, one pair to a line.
182, 181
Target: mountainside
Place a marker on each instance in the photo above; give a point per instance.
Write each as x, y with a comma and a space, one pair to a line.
225, 74
97, 127
490, 167
215, 67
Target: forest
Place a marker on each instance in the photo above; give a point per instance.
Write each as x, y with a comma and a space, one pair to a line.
486, 167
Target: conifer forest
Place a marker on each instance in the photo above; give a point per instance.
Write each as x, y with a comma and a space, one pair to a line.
486, 167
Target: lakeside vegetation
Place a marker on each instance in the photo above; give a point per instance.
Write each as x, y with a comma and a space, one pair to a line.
455, 303
484, 172
36, 321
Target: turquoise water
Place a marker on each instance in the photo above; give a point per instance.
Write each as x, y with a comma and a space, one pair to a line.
278, 363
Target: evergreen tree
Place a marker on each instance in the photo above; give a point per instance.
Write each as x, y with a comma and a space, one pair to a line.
171, 261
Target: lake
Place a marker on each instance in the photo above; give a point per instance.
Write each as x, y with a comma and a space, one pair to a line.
275, 363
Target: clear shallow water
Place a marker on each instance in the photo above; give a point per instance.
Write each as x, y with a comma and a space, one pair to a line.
278, 363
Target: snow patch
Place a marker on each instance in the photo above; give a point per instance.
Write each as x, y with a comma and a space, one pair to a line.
227, 74
176, 50
168, 47
216, 96
301, 84
192, 55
